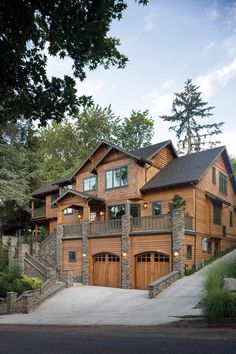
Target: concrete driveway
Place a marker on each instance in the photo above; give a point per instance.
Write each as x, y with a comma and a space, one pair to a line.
90, 305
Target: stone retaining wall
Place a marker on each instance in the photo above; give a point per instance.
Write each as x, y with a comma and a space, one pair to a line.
157, 286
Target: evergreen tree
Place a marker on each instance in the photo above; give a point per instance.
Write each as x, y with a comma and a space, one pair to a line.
187, 108
136, 131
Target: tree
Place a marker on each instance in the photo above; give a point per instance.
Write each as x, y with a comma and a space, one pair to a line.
176, 202
136, 131
18, 172
233, 163
73, 29
187, 107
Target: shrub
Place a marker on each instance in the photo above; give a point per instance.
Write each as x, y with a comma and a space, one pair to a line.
219, 303
13, 280
3, 258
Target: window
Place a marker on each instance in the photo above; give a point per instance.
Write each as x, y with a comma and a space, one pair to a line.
156, 208
117, 178
217, 214
204, 244
231, 218
189, 251
213, 175
90, 184
72, 256
209, 247
68, 211
54, 196
67, 187
223, 183
135, 210
116, 211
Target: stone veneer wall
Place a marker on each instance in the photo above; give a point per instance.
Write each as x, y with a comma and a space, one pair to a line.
125, 252
32, 271
178, 228
161, 284
85, 253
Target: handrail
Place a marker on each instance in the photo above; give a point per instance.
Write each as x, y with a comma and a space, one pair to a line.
72, 230
188, 222
157, 222
36, 263
105, 227
39, 212
48, 239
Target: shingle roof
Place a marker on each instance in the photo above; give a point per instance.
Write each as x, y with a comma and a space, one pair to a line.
83, 195
184, 170
46, 188
149, 151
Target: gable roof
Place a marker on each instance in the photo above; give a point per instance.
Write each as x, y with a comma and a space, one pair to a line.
69, 177
187, 169
149, 151
45, 188
83, 195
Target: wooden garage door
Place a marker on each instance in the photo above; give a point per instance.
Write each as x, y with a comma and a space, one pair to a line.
106, 270
150, 267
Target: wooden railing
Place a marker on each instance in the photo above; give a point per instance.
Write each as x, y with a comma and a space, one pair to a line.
105, 227
158, 222
39, 212
38, 265
72, 230
188, 222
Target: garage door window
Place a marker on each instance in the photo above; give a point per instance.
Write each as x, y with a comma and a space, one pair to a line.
113, 258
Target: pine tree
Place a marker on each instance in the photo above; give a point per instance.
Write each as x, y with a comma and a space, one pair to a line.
187, 107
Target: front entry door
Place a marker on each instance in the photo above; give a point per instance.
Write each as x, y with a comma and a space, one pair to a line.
106, 270
149, 267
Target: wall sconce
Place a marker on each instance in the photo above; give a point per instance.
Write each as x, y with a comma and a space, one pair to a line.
84, 255
145, 205
79, 216
124, 254
176, 253
101, 213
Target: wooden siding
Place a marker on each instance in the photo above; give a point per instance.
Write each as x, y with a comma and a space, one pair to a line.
72, 245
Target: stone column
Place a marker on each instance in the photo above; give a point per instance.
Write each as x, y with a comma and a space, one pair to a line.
52, 275
178, 240
59, 248
68, 278
125, 252
11, 302
85, 253
22, 250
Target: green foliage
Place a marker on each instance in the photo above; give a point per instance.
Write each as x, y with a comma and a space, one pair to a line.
42, 234
176, 202
13, 280
136, 131
63, 146
190, 270
79, 30
217, 301
187, 108
3, 258
233, 163
219, 255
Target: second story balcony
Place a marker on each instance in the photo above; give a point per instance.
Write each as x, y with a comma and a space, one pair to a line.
38, 213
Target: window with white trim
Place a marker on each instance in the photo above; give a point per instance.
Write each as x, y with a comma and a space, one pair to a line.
68, 211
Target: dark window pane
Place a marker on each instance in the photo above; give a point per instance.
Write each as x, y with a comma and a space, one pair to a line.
135, 210
116, 211
223, 183
189, 252
156, 208
217, 214
213, 175
72, 256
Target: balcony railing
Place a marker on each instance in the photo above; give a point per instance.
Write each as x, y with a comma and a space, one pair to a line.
39, 212
105, 227
158, 222
72, 230
188, 222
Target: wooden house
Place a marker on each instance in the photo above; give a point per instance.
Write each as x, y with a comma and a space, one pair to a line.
112, 185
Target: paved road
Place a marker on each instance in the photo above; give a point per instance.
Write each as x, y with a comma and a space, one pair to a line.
90, 305
115, 340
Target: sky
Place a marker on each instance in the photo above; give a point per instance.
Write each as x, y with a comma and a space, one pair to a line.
168, 42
